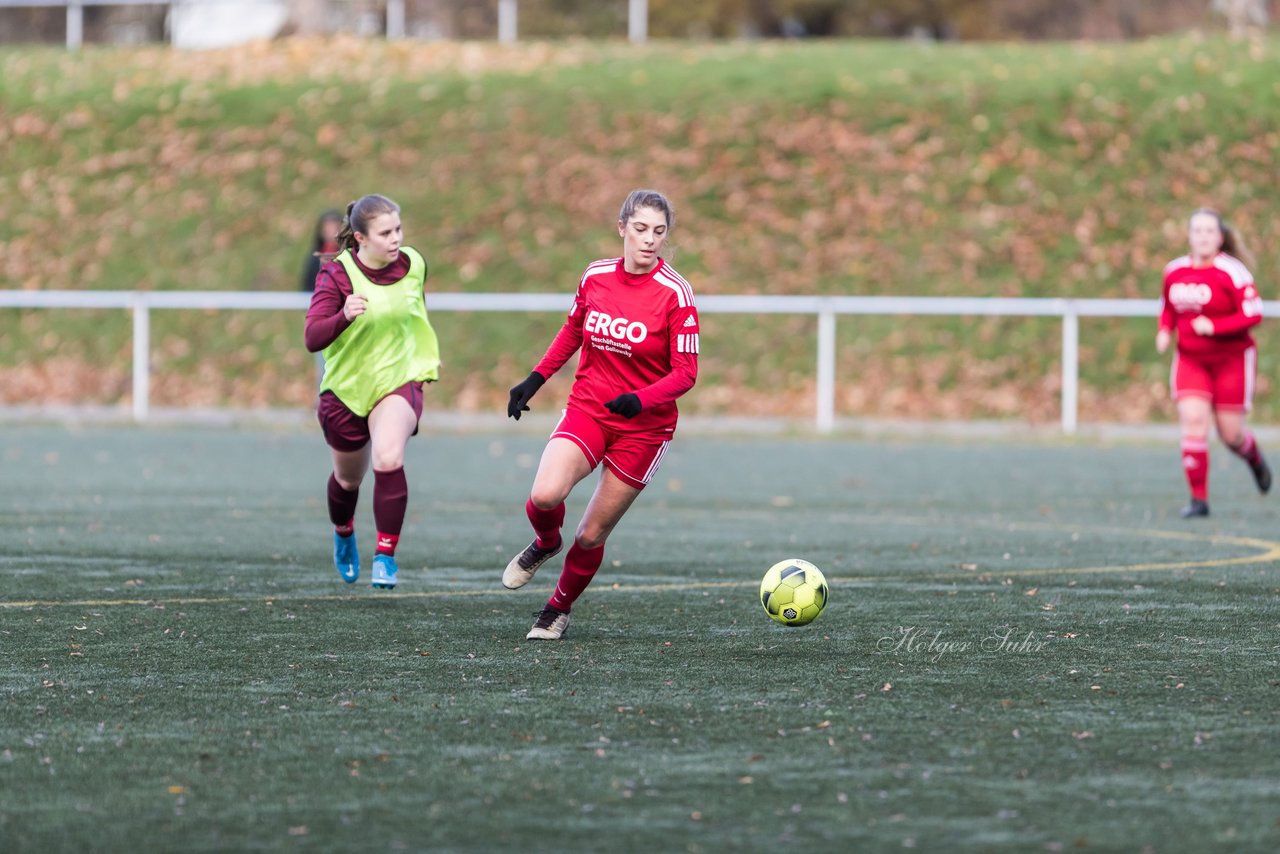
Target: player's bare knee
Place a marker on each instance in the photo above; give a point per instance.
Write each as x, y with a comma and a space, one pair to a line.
1232, 437
592, 535
387, 460
591, 538
349, 484
546, 498
1195, 428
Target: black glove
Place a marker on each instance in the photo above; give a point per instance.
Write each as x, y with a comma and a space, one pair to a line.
627, 405
522, 393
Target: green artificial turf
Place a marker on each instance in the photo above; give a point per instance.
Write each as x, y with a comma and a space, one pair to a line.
1025, 650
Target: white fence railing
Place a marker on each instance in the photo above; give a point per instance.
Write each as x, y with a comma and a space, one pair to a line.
824, 308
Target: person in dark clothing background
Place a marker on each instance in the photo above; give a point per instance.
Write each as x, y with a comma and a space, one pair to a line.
324, 246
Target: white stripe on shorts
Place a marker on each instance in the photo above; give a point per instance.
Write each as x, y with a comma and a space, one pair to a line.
657, 461
1250, 375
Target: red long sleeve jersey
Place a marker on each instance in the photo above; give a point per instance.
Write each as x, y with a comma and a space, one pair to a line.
1224, 293
636, 333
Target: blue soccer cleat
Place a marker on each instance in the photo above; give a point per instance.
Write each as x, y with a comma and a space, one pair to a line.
384, 572
346, 557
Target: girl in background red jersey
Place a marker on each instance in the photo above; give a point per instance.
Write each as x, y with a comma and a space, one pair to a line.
1210, 302
635, 323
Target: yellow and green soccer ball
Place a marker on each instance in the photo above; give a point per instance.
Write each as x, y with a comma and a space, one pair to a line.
793, 592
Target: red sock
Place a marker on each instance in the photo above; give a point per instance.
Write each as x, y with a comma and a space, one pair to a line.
387, 544
580, 567
390, 498
546, 523
342, 507
1248, 449
1195, 463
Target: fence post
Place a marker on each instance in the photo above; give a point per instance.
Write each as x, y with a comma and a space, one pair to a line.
75, 26
638, 21
395, 19
141, 357
1070, 366
826, 390
507, 21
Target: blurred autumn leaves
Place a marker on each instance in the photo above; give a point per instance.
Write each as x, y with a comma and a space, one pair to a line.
839, 167
558, 19
959, 19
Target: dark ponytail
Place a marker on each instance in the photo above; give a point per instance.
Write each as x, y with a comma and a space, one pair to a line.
359, 214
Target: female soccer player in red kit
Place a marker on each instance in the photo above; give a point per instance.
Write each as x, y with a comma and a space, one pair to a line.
1210, 303
369, 316
634, 320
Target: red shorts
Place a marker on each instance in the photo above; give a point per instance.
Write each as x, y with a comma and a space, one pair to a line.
633, 458
1225, 381
346, 431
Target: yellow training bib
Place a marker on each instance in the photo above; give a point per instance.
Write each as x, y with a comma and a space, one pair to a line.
391, 344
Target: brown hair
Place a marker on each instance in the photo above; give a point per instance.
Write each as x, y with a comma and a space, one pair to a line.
1232, 244
359, 214
647, 199
331, 215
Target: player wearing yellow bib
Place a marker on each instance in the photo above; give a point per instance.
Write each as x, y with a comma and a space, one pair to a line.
369, 315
